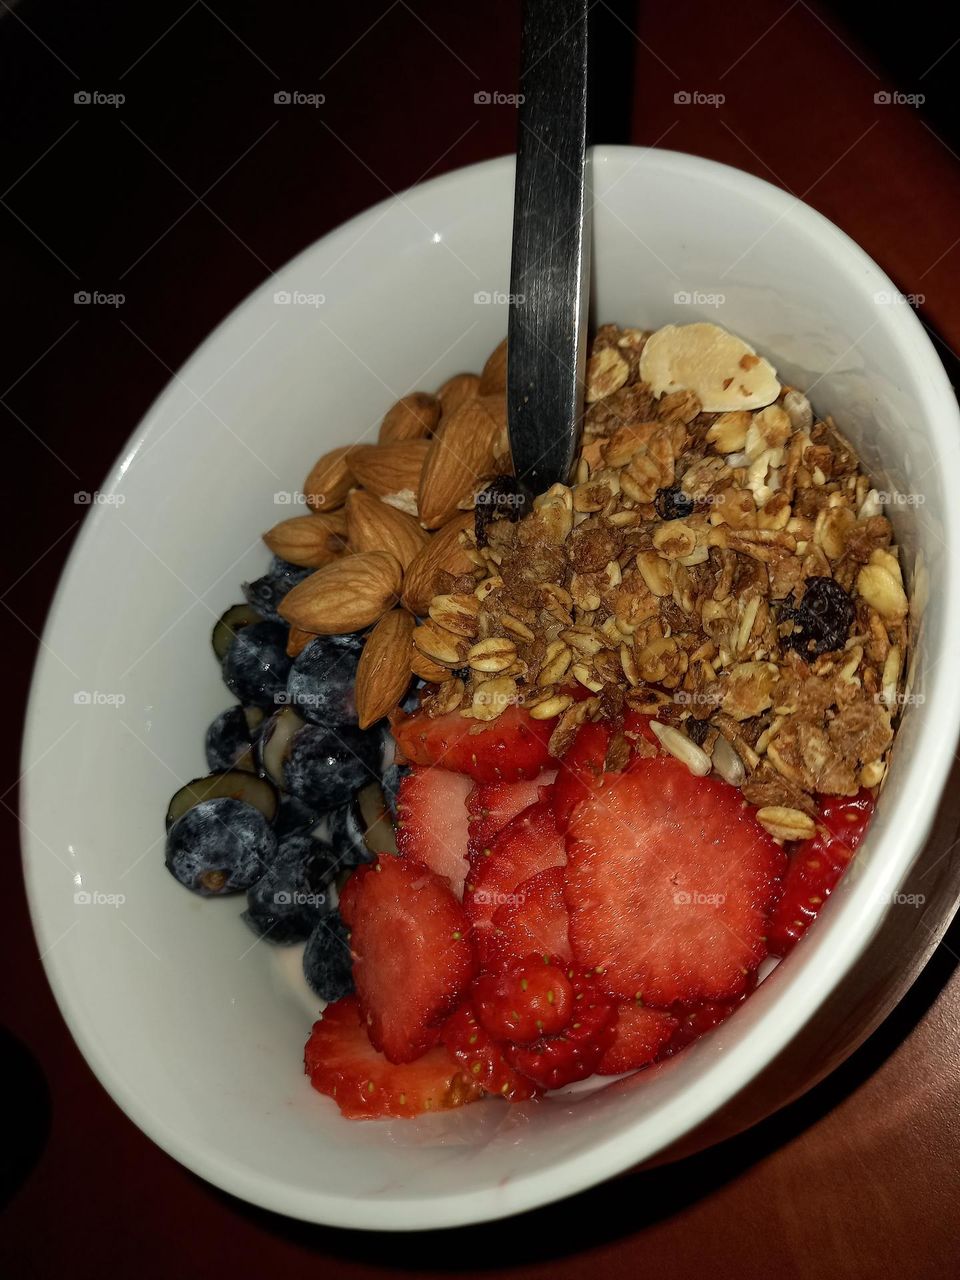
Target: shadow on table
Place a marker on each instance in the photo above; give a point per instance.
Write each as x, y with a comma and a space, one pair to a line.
624, 1205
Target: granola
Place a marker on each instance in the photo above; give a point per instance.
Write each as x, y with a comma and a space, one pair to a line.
729, 572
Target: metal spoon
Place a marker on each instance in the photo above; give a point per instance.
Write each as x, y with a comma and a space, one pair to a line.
550, 269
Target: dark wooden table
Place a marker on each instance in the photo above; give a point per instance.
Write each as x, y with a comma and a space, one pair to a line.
183, 198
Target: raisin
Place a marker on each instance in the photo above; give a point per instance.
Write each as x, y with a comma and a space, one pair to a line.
822, 619
673, 504
697, 730
504, 497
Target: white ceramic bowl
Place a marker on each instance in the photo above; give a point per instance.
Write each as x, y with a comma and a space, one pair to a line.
195, 1029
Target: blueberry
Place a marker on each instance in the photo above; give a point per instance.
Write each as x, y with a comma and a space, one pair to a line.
256, 664
321, 680
266, 593
327, 965
346, 831
393, 775
293, 817
324, 767
228, 741
672, 504
290, 898
220, 846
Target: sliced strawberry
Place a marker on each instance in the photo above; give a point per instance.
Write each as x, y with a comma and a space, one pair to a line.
578, 1050
532, 998
816, 866
528, 844
432, 822
482, 1057
412, 954
579, 769
512, 747
491, 805
535, 920
669, 880
343, 1064
693, 1023
640, 1035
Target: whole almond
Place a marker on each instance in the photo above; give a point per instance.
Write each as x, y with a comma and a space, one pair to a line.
297, 641
462, 386
374, 526
493, 378
383, 672
309, 541
442, 554
460, 458
346, 595
389, 468
329, 480
411, 418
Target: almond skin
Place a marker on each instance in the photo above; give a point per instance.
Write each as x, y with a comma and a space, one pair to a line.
383, 672
309, 541
460, 458
462, 386
330, 480
411, 418
493, 378
373, 526
442, 554
389, 468
346, 595
297, 641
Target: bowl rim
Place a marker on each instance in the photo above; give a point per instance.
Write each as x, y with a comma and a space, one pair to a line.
742, 1062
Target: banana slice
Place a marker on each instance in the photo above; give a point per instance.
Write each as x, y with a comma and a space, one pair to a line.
724, 371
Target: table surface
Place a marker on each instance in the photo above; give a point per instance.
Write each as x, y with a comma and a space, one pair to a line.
184, 198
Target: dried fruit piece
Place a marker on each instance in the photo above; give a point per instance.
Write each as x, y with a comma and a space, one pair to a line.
724, 371
822, 619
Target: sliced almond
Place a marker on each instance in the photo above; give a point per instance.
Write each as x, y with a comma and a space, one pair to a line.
493, 378
346, 595
383, 671
442, 554
411, 418
372, 525
330, 480
309, 541
389, 468
724, 371
462, 456
786, 824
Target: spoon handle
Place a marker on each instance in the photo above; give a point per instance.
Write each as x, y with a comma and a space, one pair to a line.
550, 268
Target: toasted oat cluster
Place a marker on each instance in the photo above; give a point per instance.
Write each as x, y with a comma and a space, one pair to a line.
729, 572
